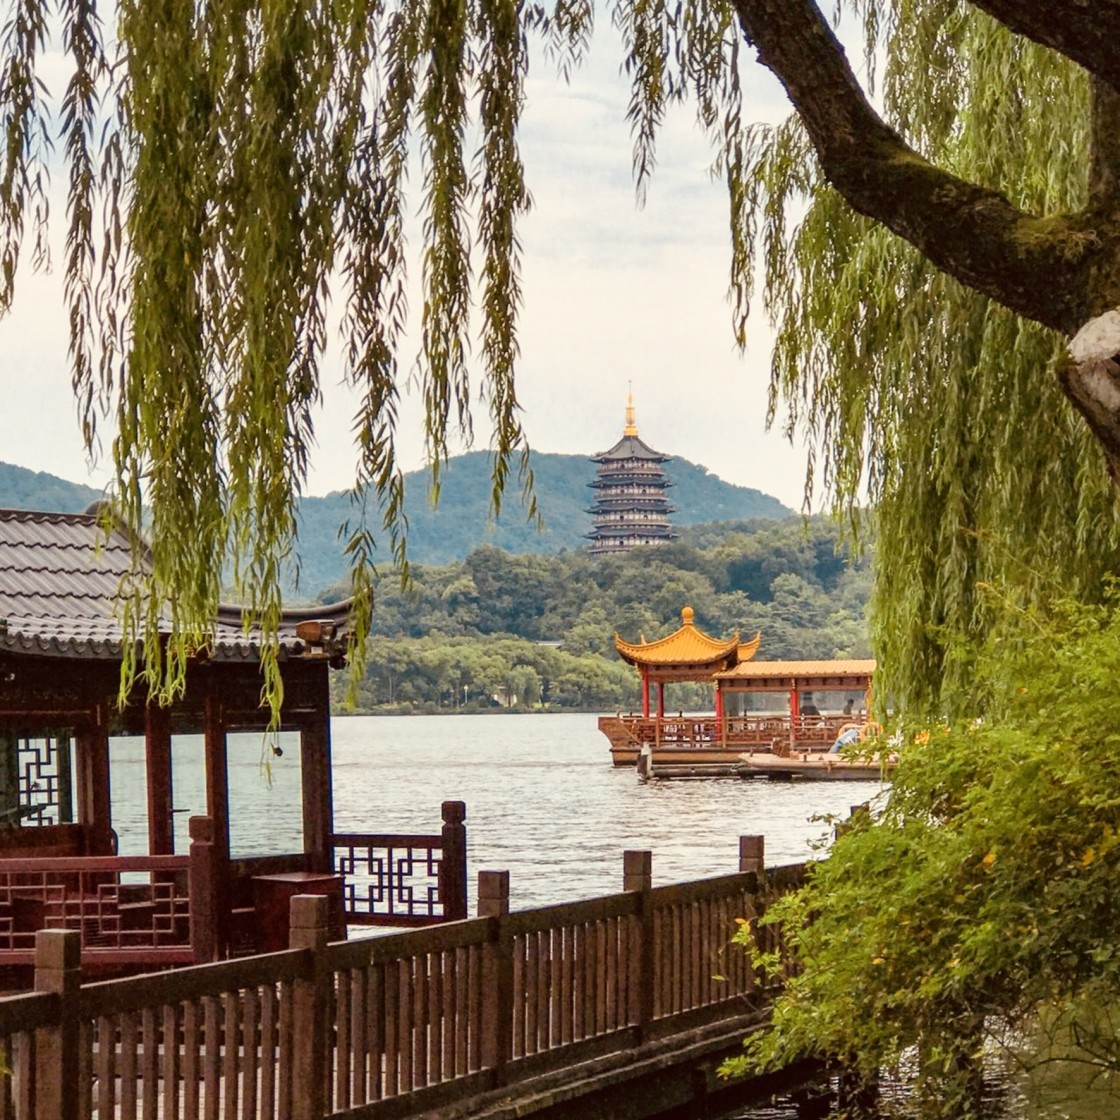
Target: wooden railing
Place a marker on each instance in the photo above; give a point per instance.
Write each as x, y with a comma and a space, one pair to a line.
123, 908
761, 732
154, 911
435, 1014
405, 879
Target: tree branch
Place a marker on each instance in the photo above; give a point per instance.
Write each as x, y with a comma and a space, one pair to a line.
1042, 268
1088, 34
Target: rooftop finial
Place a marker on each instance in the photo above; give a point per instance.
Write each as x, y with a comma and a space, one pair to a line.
631, 428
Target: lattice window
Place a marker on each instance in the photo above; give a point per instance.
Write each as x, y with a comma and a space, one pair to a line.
389, 881
44, 769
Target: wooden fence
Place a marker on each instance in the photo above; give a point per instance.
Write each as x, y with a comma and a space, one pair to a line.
389, 1024
159, 911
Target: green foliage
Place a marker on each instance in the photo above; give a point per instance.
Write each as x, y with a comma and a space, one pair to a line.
557, 615
934, 400
234, 164
981, 900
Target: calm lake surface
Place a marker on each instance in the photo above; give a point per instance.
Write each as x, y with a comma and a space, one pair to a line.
543, 800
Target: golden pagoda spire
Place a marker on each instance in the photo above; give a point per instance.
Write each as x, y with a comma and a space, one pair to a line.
631, 428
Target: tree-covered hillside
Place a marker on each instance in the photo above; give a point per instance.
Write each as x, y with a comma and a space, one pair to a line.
24, 489
462, 520
527, 629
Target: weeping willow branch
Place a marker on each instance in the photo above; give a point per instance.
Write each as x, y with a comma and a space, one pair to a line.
233, 163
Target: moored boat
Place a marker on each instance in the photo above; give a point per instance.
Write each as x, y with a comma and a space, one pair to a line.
779, 709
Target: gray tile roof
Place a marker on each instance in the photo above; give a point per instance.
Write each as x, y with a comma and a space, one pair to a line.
59, 578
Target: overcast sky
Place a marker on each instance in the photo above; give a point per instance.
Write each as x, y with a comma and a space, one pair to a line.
614, 295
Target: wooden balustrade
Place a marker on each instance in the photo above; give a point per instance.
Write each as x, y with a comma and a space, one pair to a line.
405, 879
124, 908
434, 1014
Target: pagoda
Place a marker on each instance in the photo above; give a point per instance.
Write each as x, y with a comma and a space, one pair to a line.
631, 507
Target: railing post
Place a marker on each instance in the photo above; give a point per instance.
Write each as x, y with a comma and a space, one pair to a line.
203, 889
752, 853
453, 862
637, 876
309, 929
58, 968
497, 974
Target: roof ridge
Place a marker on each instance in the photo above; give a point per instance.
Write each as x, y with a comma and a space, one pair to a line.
40, 516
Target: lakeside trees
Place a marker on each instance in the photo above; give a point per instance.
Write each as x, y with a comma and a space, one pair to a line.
967, 916
539, 628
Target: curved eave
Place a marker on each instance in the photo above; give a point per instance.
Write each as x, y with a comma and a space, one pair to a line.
98, 638
686, 649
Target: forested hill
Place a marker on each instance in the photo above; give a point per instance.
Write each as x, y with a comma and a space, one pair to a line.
461, 522
24, 489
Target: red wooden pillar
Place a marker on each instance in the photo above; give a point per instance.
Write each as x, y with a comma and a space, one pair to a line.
217, 769
645, 692
315, 776
794, 715
660, 699
94, 794
721, 723
217, 809
157, 747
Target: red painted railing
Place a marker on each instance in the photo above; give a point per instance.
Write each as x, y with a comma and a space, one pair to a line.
405, 879
125, 908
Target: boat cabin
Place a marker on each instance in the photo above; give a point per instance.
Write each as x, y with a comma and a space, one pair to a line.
800, 705
67, 744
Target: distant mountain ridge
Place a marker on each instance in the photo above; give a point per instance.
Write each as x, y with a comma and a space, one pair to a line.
462, 520
37, 490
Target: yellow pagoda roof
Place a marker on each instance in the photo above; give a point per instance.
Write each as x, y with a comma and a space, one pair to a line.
688, 646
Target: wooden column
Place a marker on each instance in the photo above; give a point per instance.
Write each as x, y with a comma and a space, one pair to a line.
315, 773
794, 715
310, 1000
157, 746
217, 769
63, 763
9, 779
58, 969
637, 876
660, 699
752, 853
94, 787
645, 692
205, 892
453, 862
497, 975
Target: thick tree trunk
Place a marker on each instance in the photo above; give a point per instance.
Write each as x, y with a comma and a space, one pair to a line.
1091, 379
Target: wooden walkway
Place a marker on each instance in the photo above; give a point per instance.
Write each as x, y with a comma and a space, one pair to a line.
466, 1017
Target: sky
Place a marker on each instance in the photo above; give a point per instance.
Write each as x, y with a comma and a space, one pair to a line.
617, 297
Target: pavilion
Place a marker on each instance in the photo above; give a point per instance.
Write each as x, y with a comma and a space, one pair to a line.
60, 664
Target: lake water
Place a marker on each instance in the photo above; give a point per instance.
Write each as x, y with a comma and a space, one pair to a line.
544, 803
543, 800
